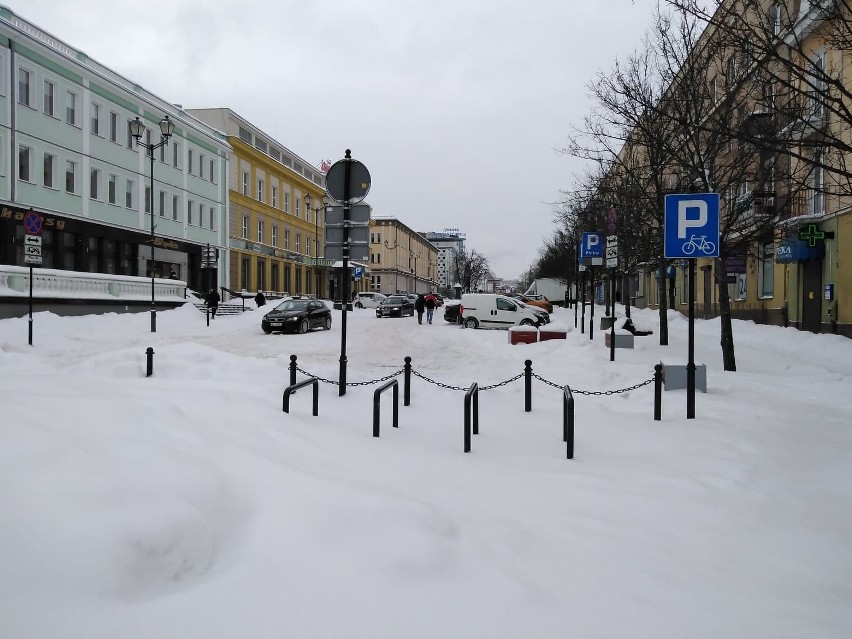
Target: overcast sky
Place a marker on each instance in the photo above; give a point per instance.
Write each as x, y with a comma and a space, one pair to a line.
456, 107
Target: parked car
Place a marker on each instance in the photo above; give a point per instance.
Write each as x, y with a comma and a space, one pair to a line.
488, 310
395, 306
543, 314
366, 299
297, 316
536, 300
452, 312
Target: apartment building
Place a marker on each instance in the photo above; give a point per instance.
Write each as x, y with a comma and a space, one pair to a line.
449, 242
401, 260
66, 152
276, 226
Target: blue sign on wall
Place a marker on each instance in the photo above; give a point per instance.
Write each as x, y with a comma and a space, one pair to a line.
691, 225
592, 246
359, 273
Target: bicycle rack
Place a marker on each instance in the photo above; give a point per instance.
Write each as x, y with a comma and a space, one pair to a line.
568, 421
312, 381
471, 397
377, 400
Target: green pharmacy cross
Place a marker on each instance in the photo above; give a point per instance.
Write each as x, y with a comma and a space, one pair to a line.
811, 234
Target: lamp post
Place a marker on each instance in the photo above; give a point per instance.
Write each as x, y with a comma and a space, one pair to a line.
396, 265
316, 234
137, 129
416, 256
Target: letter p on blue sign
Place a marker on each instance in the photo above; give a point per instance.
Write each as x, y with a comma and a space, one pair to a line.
691, 225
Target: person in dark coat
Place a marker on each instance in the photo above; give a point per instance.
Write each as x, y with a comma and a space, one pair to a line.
260, 299
212, 301
431, 303
420, 306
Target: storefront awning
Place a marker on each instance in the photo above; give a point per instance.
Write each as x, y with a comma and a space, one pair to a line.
796, 250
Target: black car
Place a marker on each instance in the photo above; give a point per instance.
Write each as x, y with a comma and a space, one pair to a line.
395, 306
452, 312
295, 316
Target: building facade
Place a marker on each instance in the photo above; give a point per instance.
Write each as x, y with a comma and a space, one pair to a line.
66, 152
401, 260
276, 226
448, 242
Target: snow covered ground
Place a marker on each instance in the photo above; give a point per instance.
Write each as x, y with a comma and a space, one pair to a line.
189, 505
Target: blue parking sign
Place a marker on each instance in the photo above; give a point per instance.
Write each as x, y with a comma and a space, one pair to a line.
592, 246
359, 273
691, 225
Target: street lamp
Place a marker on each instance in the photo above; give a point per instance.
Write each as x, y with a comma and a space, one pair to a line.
137, 129
316, 211
396, 264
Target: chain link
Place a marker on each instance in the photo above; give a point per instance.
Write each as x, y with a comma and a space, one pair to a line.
337, 383
577, 391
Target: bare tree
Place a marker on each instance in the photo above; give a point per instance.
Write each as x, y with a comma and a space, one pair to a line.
471, 269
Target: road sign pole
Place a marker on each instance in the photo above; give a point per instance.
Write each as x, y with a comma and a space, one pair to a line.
592, 304
690, 365
344, 275
31, 308
612, 326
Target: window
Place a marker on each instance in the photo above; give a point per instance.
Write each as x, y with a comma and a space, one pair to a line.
113, 126
201, 166
49, 99
307, 245
96, 119
175, 208
189, 211
245, 226
24, 96
112, 187
49, 170
298, 242
175, 155
245, 273
94, 183
212, 217
71, 108
298, 207
816, 82
162, 204
24, 153
129, 135
732, 72
70, 177
286, 202
260, 231
128, 194
260, 190
775, 19
245, 183
212, 175
148, 201
275, 196
163, 153
287, 239
274, 235
189, 161
817, 185
766, 268
201, 215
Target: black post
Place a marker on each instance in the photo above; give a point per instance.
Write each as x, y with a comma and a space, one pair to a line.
612, 326
292, 370
658, 392
568, 421
690, 365
583, 314
344, 273
208, 315
592, 306
149, 357
30, 325
528, 386
406, 389
153, 305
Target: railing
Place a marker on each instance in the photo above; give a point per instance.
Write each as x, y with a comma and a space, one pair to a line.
60, 284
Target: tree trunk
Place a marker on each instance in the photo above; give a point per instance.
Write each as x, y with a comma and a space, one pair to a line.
729, 360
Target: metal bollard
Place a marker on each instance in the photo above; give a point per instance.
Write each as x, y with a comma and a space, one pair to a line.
406, 386
658, 392
149, 356
292, 370
568, 421
528, 385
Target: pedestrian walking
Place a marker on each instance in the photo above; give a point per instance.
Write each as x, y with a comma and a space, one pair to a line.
420, 306
212, 301
431, 303
260, 299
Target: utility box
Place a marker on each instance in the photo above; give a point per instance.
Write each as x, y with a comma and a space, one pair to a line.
674, 377
622, 340
523, 335
607, 322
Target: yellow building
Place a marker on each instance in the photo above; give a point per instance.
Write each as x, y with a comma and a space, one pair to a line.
401, 260
275, 230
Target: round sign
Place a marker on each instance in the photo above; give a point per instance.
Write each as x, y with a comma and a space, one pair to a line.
34, 223
359, 181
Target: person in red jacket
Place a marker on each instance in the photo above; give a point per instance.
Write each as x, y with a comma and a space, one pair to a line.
431, 303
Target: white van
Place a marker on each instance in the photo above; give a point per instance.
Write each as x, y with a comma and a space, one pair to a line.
366, 299
487, 310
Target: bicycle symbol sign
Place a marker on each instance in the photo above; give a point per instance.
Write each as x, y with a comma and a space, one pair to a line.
691, 225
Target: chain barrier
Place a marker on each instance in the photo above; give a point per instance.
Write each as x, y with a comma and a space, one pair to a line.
586, 392
465, 388
337, 383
